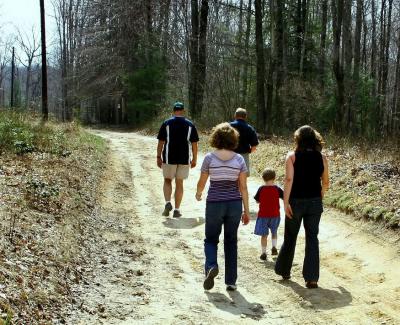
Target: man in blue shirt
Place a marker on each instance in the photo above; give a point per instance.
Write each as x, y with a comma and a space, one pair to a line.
176, 154
248, 140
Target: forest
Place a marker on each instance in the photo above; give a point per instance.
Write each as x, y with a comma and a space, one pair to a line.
333, 64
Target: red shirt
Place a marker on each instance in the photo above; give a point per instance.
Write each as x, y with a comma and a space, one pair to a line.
268, 198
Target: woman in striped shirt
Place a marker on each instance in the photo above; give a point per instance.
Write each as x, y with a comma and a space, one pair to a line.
228, 189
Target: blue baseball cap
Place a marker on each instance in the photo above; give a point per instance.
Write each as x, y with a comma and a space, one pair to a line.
178, 106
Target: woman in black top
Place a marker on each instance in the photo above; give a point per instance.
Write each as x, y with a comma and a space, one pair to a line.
306, 180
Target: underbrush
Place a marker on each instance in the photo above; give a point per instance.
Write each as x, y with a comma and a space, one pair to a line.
48, 181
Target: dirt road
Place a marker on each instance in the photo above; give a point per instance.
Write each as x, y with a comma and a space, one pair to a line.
148, 269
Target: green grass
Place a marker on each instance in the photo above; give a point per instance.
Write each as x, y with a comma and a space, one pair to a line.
22, 134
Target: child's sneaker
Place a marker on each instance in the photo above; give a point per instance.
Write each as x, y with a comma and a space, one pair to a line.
263, 256
167, 209
274, 251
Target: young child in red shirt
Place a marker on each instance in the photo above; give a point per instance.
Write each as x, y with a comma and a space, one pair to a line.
268, 214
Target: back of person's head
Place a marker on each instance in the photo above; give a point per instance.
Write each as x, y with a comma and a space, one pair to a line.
268, 174
178, 106
241, 113
224, 136
307, 138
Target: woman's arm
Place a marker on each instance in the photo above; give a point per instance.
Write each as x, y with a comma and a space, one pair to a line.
288, 183
245, 197
201, 184
325, 176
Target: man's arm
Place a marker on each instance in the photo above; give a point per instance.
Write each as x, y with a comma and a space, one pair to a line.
195, 147
160, 147
253, 140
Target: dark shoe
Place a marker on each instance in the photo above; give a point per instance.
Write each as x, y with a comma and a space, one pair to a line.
177, 214
274, 251
311, 284
209, 281
168, 208
285, 277
263, 256
231, 287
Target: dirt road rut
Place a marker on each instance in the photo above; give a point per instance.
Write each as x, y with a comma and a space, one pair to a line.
148, 269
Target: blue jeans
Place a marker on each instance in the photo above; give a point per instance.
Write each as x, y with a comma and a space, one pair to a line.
308, 210
227, 214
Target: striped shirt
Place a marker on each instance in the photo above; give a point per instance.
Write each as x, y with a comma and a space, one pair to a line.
224, 175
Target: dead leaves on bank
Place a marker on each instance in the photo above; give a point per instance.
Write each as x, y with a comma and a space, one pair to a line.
44, 202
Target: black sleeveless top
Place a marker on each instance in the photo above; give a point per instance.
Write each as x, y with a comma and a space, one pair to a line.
308, 169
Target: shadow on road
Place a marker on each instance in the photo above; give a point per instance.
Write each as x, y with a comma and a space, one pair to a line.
236, 304
183, 223
321, 298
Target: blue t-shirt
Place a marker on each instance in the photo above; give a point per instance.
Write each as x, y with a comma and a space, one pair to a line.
247, 136
178, 134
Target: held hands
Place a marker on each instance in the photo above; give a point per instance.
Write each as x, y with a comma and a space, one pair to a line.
288, 210
245, 218
198, 196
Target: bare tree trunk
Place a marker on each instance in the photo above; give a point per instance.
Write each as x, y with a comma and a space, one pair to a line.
246, 53
45, 109
278, 60
322, 54
396, 97
305, 12
364, 46
357, 41
28, 83
299, 33
194, 58
202, 56
12, 77
337, 18
261, 109
385, 70
347, 122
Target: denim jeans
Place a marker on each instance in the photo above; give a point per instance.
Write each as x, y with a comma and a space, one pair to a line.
308, 210
220, 214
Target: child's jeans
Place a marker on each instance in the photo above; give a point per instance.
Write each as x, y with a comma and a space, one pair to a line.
308, 210
227, 214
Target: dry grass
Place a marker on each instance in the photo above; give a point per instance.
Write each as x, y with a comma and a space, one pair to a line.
47, 194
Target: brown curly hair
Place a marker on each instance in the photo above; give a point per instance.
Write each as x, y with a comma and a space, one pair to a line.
307, 138
224, 136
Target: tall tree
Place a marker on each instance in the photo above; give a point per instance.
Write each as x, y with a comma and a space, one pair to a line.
45, 108
12, 96
261, 109
278, 59
30, 46
337, 19
202, 57
322, 54
357, 40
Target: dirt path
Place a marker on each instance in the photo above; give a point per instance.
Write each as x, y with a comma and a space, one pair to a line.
148, 269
